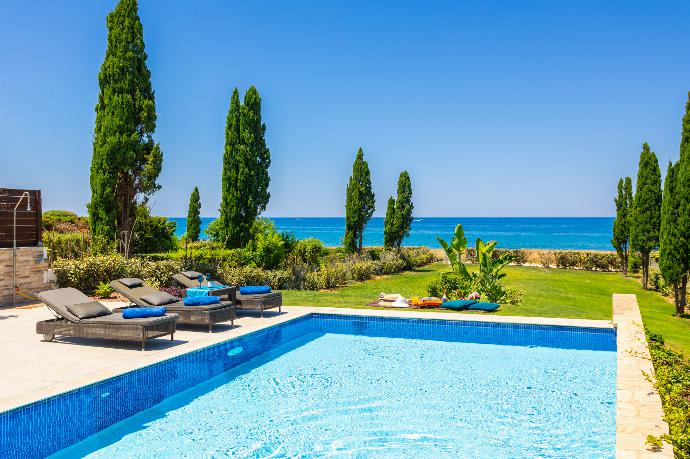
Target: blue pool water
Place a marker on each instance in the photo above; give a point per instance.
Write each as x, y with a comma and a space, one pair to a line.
327, 385
512, 233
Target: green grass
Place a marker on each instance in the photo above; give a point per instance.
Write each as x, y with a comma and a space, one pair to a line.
548, 293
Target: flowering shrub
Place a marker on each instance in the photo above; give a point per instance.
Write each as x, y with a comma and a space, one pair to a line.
87, 273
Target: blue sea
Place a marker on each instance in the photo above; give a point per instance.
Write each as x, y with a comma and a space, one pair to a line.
574, 233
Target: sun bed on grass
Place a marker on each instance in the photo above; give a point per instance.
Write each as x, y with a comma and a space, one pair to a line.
200, 315
65, 302
257, 301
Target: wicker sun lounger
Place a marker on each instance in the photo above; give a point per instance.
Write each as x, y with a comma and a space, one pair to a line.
200, 315
259, 302
189, 279
109, 326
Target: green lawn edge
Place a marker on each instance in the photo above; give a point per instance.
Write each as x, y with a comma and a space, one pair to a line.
548, 292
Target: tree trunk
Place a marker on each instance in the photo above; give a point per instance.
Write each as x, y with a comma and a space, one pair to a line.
676, 297
645, 270
625, 262
683, 294
361, 239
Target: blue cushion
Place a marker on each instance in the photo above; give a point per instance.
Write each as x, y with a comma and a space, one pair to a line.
458, 305
201, 300
482, 306
140, 313
255, 289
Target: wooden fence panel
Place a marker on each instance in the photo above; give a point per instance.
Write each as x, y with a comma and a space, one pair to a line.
29, 228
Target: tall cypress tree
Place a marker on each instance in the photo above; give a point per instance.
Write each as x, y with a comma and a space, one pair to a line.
259, 159
646, 215
403, 208
359, 204
673, 254
621, 225
194, 216
126, 161
389, 225
245, 176
683, 190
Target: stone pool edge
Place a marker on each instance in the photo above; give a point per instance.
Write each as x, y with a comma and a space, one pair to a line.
638, 406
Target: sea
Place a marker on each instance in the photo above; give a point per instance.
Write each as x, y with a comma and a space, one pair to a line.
558, 233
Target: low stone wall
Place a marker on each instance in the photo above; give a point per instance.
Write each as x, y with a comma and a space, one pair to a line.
30, 269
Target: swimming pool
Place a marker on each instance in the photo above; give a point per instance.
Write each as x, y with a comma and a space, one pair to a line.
351, 386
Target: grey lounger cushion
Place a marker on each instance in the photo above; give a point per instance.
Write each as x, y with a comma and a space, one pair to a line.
159, 299
88, 310
59, 299
136, 294
132, 282
192, 275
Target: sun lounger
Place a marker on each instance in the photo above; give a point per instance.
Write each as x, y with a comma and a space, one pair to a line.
109, 325
189, 279
201, 315
259, 301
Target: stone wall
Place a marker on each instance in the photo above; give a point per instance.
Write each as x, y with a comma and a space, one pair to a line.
30, 269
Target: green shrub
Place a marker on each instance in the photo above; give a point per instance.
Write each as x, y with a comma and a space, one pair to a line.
450, 285
87, 273
103, 290
672, 372
63, 221
567, 259
546, 259
309, 251
519, 257
416, 257
329, 276
152, 234
634, 263
252, 275
389, 263
363, 270
658, 283
66, 245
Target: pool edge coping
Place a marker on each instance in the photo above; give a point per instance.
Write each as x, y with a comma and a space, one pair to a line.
639, 412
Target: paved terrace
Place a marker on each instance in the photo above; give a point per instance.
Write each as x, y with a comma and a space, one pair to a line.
32, 369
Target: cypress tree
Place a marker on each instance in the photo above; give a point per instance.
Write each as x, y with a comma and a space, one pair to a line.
403, 208
673, 254
646, 214
359, 204
389, 225
683, 191
621, 225
245, 176
194, 216
126, 161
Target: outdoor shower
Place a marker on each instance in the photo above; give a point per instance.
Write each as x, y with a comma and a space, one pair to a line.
14, 244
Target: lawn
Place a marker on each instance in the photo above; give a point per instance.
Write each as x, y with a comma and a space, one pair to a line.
548, 293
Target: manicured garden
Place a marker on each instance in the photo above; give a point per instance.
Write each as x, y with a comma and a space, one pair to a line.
547, 292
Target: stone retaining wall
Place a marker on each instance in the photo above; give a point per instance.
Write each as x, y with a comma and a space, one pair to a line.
30, 269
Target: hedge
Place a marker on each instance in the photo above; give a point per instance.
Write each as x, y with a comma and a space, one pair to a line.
88, 272
672, 371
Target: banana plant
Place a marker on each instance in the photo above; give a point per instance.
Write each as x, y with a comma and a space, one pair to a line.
489, 266
454, 251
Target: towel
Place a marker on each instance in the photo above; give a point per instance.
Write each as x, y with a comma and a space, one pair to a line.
201, 300
391, 297
197, 291
140, 313
255, 289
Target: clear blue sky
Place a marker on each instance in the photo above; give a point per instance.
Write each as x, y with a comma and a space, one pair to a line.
495, 108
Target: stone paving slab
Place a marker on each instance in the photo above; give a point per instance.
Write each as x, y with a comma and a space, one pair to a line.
638, 405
